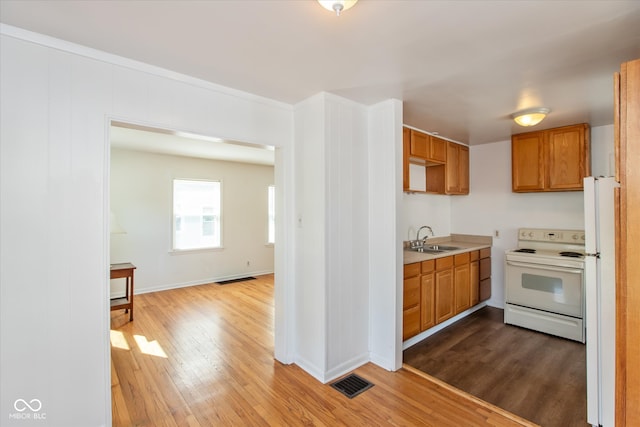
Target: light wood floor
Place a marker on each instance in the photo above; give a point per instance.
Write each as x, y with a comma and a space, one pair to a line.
537, 376
203, 356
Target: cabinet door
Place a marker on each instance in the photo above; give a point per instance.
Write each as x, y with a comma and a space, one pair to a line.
567, 157
411, 294
452, 183
419, 144
461, 282
438, 149
485, 268
410, 322
427, 301
406, 146
461, 279
474, 278
457, 169
444, 294
463, 168
485, 276
527, 160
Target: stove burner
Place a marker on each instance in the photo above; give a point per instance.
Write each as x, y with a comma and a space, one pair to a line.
571, 254
525, 250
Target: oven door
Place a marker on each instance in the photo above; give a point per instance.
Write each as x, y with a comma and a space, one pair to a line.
545, 287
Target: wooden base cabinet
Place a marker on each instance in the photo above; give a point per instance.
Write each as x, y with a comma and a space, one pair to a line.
444, 289
411, 301
427, 295
462, 282
438, 289
474, 277
485, 274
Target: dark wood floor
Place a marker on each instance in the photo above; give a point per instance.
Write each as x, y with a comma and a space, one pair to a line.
539, 377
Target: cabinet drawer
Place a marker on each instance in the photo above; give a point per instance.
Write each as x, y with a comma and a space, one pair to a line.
485, 253
461, 259
411, 292
428, 266
485, 289
485, 268
444, 263
411, 270
474, 256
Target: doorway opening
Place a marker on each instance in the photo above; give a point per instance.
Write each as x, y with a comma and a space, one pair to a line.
144, 162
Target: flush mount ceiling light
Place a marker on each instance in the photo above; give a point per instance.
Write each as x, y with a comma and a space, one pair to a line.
530, 116
337, 6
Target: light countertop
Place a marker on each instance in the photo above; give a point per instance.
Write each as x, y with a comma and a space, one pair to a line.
465, 242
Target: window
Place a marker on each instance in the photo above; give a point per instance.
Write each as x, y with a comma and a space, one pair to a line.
196, 214
272, 214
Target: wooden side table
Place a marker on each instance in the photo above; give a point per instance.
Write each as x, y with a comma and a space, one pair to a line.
119, 271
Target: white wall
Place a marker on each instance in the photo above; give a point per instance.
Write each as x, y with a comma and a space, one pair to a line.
57, 99
347, 237
310, 299
141, 198
602, 155
332, 313
385, 231
491, 205
420, 209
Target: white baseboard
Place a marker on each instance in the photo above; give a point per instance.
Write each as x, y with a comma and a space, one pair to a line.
421, 336
148, 289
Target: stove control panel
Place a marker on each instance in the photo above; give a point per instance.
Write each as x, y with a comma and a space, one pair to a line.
551, 236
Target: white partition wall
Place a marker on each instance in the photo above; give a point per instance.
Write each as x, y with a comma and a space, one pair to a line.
385, 234
57, 100
332, 286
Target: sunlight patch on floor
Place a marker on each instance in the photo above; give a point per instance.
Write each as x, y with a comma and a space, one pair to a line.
118, 340
152, 348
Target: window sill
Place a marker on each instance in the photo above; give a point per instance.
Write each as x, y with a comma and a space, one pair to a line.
195, 251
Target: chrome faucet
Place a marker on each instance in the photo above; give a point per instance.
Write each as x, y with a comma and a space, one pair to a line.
418, 233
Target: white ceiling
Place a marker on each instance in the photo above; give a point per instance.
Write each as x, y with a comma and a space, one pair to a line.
460, 67
132, 137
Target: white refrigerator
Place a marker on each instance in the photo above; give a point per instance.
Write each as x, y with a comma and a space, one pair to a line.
600, 299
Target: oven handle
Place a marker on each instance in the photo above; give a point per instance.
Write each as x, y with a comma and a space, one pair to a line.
545, 267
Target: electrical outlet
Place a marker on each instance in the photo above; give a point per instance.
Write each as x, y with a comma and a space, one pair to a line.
496, 234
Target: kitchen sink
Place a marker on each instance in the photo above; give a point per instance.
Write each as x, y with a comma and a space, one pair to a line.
442, 248
434, 249
426, 250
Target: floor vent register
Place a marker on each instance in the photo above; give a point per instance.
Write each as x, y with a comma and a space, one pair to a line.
242, 279
352, 385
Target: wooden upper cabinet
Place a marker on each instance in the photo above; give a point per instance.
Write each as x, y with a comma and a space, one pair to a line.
457, 169
568, 162
406, 144
438, 149
426, 147
452, 184
463, 168
527, 161
445, 164
550, 160
419, 144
